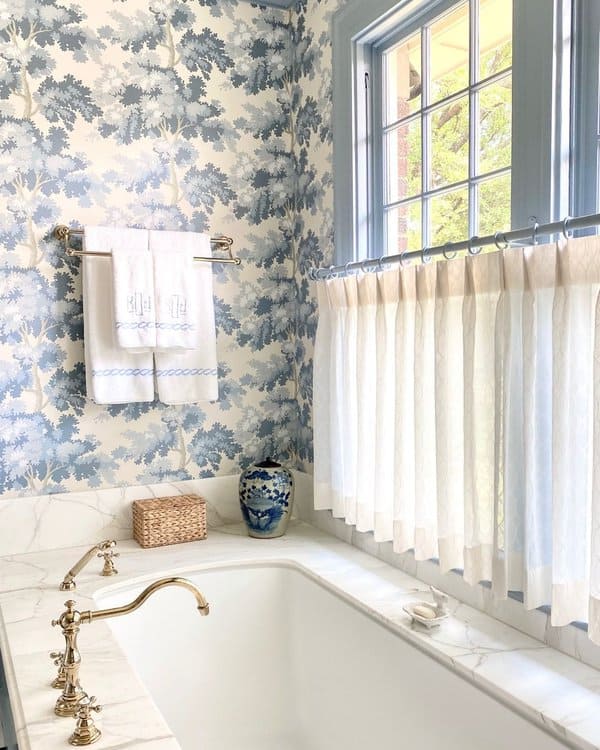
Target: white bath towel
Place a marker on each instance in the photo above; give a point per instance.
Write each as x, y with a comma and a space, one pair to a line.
189, 377
177, 322
113, 375
133, 289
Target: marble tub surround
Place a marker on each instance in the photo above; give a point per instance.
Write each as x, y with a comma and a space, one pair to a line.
551, 689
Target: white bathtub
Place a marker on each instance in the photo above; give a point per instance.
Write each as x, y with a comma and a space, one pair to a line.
282, 663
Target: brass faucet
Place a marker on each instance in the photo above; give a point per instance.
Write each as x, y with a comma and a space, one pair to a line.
103, 549
70, 620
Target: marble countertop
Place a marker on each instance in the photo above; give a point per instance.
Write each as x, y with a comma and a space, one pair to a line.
553, 690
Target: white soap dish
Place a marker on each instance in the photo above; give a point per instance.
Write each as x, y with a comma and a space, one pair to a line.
426, 613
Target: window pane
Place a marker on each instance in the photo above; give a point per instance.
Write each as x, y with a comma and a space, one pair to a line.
495, 36
403, 225
403, 161
495, 126
449, 217
450, 143
494, 205
449, 53
402, 66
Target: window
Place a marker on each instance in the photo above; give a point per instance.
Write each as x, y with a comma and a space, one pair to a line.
443, 127
460, 114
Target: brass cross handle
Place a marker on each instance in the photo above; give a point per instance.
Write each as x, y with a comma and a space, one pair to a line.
86, 731
59, 661
109, 566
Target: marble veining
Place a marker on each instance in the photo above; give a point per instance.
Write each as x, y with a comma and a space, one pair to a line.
551, 689
31, 524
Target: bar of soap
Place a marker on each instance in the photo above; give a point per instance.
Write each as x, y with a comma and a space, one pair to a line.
426, 612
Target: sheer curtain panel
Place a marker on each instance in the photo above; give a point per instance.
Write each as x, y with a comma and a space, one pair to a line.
457, 413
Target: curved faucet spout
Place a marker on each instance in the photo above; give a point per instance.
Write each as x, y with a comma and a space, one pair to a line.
70, 620
102, 614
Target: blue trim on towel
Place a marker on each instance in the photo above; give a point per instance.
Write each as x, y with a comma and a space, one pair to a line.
119, 372
131, 326
175, 326
176, 372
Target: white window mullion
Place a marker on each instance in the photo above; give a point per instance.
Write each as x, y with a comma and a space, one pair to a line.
425, 136
473, 115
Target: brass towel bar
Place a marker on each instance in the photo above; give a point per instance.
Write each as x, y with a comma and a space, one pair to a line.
64, 233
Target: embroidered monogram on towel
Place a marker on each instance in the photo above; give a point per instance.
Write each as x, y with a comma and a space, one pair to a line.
134, 293
139, 303
175, 294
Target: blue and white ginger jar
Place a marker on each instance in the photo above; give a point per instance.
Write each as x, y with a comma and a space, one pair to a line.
266, 499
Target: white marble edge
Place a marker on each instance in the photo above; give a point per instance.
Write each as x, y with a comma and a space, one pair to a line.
551, 689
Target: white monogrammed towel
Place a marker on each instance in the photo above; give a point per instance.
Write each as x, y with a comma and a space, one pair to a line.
175, 288
191, 376
113, 375
133, 289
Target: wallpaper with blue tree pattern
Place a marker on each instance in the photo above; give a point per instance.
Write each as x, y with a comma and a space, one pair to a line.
203, 115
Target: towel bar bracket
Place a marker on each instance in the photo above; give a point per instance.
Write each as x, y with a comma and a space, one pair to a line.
63, 233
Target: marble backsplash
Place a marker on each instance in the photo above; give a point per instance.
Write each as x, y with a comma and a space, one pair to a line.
71, 519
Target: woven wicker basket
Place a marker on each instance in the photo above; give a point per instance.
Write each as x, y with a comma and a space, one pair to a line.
169, 520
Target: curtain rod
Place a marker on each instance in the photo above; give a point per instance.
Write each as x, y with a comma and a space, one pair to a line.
63, 233
502, 240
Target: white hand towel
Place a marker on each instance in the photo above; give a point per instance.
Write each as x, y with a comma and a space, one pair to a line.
177, 324
133, 289
189, 377
113, 375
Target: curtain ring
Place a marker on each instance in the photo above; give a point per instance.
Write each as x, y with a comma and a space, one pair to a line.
424, 257
346, 271
565, 227
534, 229
403, 262
471, 250
446, 254
497, 241
380, 264
331, 274
362, 265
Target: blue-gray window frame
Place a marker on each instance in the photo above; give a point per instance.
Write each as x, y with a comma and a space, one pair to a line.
541, 182
585, 135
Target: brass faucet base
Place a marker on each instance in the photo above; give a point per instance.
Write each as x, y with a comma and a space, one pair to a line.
59, 682
81, 738
68, 706
68, 586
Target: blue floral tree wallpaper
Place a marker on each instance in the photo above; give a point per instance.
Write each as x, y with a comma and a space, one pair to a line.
202, 115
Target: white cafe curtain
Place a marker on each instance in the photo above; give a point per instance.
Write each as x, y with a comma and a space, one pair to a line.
457, 413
